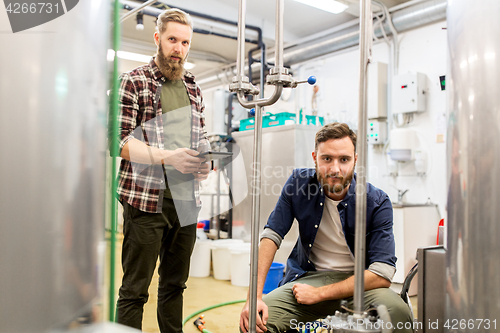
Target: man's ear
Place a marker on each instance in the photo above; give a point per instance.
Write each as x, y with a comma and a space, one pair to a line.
156, 37
314, 156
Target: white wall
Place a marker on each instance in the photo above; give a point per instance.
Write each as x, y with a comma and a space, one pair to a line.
422, 50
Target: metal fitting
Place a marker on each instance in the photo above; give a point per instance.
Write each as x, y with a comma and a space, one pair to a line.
242, 83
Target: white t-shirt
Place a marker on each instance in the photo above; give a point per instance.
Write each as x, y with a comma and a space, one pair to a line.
330, 250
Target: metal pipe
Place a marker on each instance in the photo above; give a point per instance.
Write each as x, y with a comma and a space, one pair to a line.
198, 14
242, 7
135, 10
241, 86
257, 156
360, 238
263, 68
154, 12
280, 8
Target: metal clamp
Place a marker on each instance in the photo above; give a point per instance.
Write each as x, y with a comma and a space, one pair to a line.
242, 84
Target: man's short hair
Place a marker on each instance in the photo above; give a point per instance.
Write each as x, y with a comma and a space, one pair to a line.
172, 15
334, 131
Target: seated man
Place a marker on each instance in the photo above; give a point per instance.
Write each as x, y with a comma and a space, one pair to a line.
320, 269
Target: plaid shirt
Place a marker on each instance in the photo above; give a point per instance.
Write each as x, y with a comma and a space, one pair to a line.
140, 117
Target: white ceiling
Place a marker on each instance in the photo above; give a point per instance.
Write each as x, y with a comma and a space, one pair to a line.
209, 52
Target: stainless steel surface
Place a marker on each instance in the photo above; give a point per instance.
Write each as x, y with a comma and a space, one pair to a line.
473, 269
53, 132
431, 289
361, 149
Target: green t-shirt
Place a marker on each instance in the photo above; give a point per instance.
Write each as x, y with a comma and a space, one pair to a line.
176, 114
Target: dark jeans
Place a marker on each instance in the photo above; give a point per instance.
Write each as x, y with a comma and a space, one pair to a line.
147, 236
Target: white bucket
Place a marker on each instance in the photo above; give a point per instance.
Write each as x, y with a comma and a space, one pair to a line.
222, 258
200, 259
240, 264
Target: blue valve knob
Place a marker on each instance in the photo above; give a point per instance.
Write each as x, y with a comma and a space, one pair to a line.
252, 111
311, 80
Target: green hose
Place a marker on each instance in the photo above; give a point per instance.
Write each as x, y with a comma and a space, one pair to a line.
114, 153
210, 308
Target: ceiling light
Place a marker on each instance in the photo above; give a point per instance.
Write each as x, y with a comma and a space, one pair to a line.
331, 6
189, 65
140, 21
129, 56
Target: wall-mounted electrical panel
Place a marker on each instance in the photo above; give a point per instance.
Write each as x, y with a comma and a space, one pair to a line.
377, 90
376, 132
408, 93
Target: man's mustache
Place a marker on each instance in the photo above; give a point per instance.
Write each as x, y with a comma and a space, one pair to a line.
175, 56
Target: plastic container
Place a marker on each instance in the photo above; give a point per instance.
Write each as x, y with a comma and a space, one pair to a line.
278, 119
200, 232
315, 120
273, 277
239, 231
221, 257
247, 124
200, 259
240, 264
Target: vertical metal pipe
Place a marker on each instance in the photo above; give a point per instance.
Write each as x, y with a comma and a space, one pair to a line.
262, 69
256, 179
240, 60
280, 9
217, 205
360, 238
114, 153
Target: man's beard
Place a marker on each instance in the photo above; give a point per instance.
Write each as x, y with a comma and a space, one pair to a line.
336, 188
171, 69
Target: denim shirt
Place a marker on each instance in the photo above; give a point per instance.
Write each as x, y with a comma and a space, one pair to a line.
302, 198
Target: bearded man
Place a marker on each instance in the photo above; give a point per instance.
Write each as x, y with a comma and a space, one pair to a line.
320, 269
161, 131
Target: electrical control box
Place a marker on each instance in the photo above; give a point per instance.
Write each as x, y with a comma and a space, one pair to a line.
408, 93
376, 132
377, 90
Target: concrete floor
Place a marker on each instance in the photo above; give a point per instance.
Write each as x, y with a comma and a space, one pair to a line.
200, 293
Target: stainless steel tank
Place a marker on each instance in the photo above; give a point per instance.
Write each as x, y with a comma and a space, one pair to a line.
473, 242
53, 107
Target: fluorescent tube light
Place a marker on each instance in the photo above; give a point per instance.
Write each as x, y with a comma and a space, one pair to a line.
133, 56
128, 56
331, 6
139, 58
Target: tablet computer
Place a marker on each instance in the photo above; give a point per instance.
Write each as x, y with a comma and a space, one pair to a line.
215, 155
